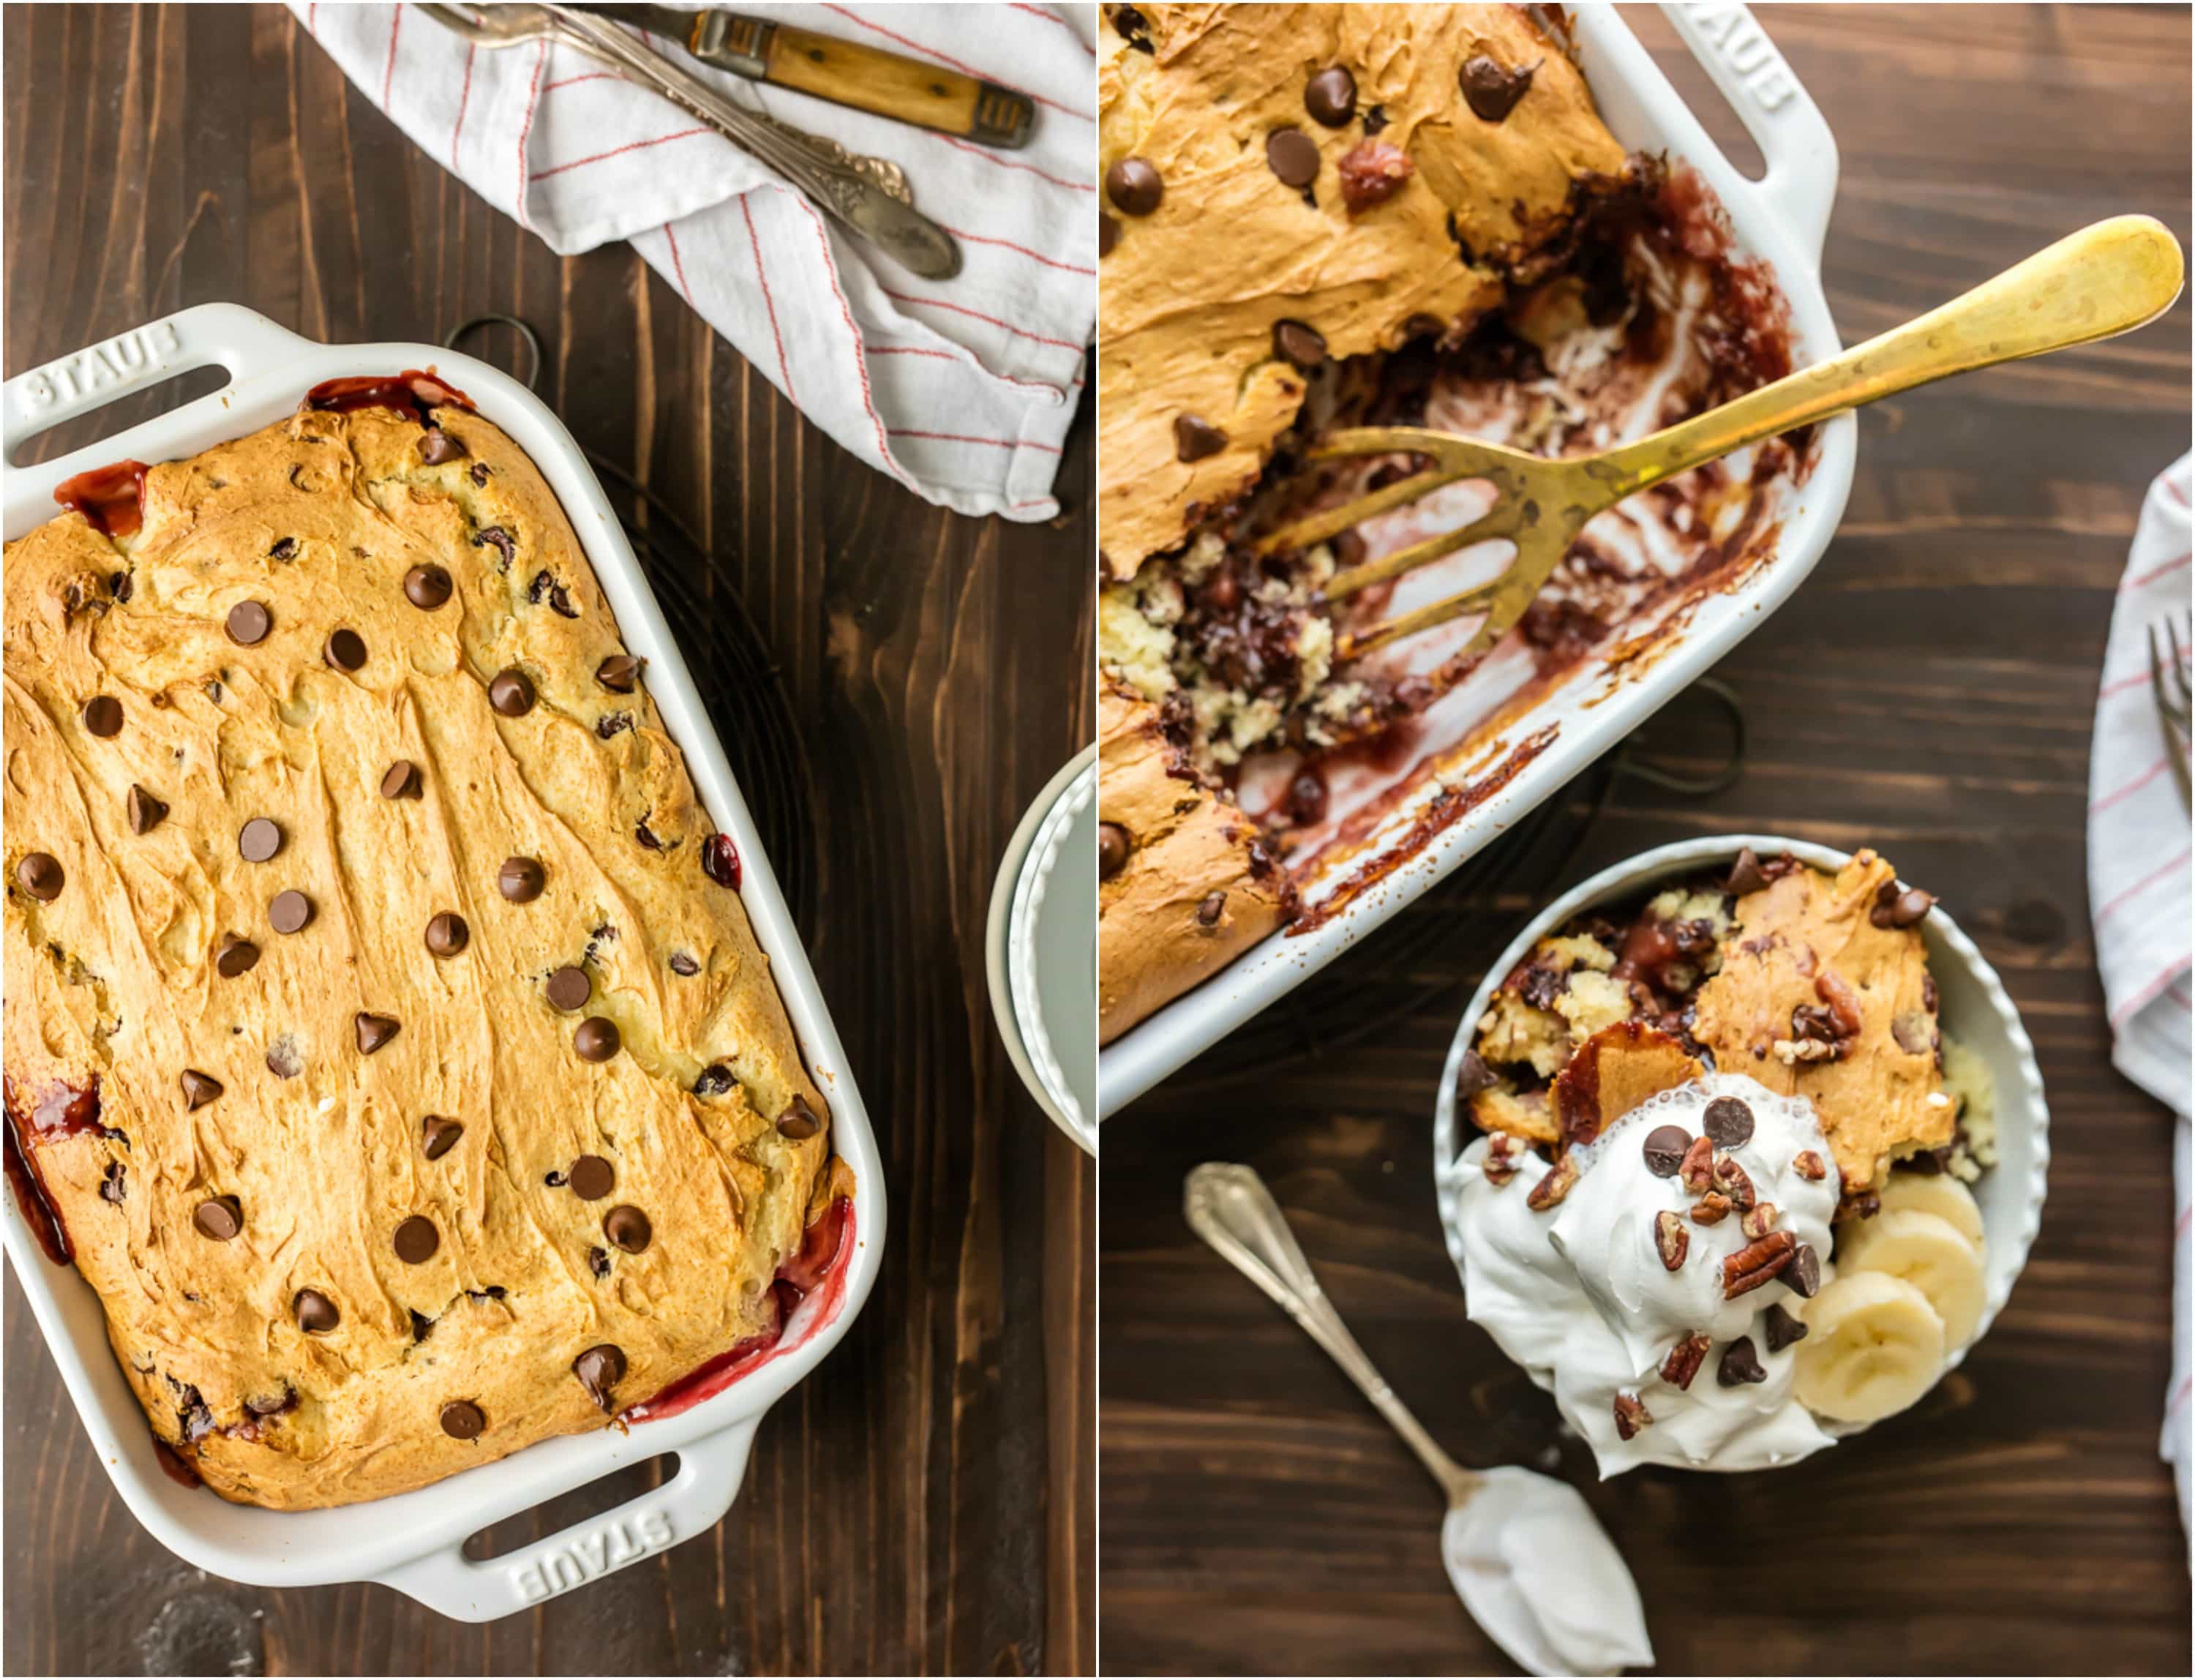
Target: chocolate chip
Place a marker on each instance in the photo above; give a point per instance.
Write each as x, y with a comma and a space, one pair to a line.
40, 875
591, 1178
113, 1184
427, 587
521, 880
559, 602
511, 693
598, 1261
1194, 438
219, 1217
285, 550
249, 622
315, 1314
400, 781
1665, 1149
569, 989
1745, 874
145, 811
1903, 910
102, 716
439, 1135
628, 1227
121, 586
720, 861
463, 1421
618, 673
422, 1325
495, 537
236, 956
1134, 186
683, 964
438, 446
1740, 1364
713, 1081
1781, 1328
1109, 234
1113, 848
646, 837
1803, 1273
480, 472
290, 912
199, 1089
596, 1040
283, 1060
1330, 96
799, 1121
1299, 346
373, 1031
259, 839
599, 1369
1208, 913
1292, 155
417, 1239
1729, 1121
345, 650
1492, 90
446, 934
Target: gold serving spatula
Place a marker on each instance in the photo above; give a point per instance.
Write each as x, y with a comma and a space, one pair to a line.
845, 73
2105, 280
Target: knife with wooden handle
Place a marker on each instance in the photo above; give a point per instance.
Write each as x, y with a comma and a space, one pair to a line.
884, 84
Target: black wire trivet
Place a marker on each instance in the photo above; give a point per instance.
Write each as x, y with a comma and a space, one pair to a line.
740, 685
1476, 910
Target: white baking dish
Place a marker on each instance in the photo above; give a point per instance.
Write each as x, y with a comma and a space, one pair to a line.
413, 1541
1778, 220
1974, 1008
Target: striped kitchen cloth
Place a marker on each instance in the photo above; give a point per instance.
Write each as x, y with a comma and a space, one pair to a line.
962, 390
2139, 892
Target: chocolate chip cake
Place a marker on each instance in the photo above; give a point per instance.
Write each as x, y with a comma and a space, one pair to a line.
386, 1041
1326, 216
1813, 985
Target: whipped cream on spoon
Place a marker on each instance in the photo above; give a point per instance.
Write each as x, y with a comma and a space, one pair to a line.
1531, 1563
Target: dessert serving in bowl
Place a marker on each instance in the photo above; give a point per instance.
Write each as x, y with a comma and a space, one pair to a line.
1741, 1147
412, 1072
1470, 219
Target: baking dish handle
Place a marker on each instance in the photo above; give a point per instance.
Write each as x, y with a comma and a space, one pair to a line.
206, 335
1800, 184
693, 1501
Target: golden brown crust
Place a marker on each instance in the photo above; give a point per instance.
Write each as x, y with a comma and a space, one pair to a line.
319, 518
1613, 1071
1190, 293
1194, 890
1880, 1098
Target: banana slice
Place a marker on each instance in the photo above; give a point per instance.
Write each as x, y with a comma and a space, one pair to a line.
1941, 1195
1874, 1346
1929, 1252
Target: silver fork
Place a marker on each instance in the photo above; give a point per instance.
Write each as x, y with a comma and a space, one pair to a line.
866, 195
2167, 682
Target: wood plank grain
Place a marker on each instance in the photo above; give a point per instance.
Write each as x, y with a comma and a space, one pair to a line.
924, 1504
1930, 691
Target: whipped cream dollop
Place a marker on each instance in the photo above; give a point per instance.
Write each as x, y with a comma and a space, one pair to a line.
1580, 1291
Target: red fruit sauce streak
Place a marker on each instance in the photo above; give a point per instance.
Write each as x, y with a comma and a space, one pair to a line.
63, 1111
112, 498
410, 392
820, 1263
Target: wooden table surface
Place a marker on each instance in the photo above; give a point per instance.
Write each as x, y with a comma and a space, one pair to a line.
922, 1503
1929, 690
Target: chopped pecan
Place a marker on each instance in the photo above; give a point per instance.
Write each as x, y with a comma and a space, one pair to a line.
1808, 1164
1671, 1240
1631, 1415
1735, 1182
1695, 1172
1684, 1361
1759, 1220
1504, 1154
1757, 1263
1711, 1208
1554, 1187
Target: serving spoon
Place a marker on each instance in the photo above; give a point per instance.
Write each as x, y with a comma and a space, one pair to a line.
1524, 1551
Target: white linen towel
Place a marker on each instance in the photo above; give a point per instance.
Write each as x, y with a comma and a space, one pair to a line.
2139, 879
962, 390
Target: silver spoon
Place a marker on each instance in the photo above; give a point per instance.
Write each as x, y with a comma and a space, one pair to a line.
1524, 1551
